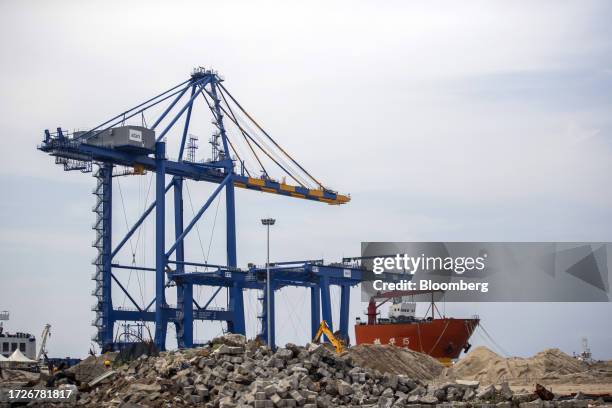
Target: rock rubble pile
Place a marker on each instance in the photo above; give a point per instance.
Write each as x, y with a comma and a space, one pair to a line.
231, 372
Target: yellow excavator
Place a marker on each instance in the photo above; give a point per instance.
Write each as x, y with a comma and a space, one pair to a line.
338, 343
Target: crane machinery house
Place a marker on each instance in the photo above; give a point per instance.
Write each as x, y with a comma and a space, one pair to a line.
135, 139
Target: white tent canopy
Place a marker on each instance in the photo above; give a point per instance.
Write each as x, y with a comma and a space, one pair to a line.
18, 357
2, 358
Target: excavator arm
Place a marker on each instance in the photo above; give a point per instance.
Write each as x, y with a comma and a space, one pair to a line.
324, 330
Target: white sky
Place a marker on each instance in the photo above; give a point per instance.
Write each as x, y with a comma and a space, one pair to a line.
485, 121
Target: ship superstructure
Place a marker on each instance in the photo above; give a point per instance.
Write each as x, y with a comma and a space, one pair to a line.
9, 342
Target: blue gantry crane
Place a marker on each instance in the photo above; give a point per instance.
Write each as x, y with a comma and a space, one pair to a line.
113, 145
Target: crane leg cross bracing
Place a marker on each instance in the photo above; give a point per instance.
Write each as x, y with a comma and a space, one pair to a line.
113, 145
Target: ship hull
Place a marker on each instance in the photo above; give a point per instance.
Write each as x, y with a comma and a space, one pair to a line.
443, 338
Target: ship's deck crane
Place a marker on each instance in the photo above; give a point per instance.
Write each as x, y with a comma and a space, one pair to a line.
42, 351
4, 316
373, 306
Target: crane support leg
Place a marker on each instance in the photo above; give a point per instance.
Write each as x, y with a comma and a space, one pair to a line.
107, 222
184, 322
345, 299
184, 293
326, 302
315, 310
271, 317
161, 325
231, 224
235, 298
237, 309
138, 223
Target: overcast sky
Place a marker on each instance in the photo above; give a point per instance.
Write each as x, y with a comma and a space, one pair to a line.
481, 121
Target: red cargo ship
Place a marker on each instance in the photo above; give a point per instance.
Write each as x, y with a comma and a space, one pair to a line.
442, 338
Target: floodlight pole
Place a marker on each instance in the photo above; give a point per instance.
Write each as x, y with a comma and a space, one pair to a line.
267, 222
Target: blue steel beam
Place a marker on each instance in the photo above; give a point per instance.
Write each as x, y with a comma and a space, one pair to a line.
170, 314
186, 309
186, 127
184, 293
309, 261
178, 223
195, 171
195, 219
220, 315
315, 310
149, 305
169, 108
304, 275
107, 223
264, 321
124, 118
236, 306
133, 267
197, 305
235, 298
201, 264
326, 310
122, 115
335, 273
211, 298
345, 299
71, 149
126, 292
202, 83
160, 237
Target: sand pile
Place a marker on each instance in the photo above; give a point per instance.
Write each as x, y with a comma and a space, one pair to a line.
486, 366
396, 360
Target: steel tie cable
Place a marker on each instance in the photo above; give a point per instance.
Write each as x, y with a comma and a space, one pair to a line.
269, 137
